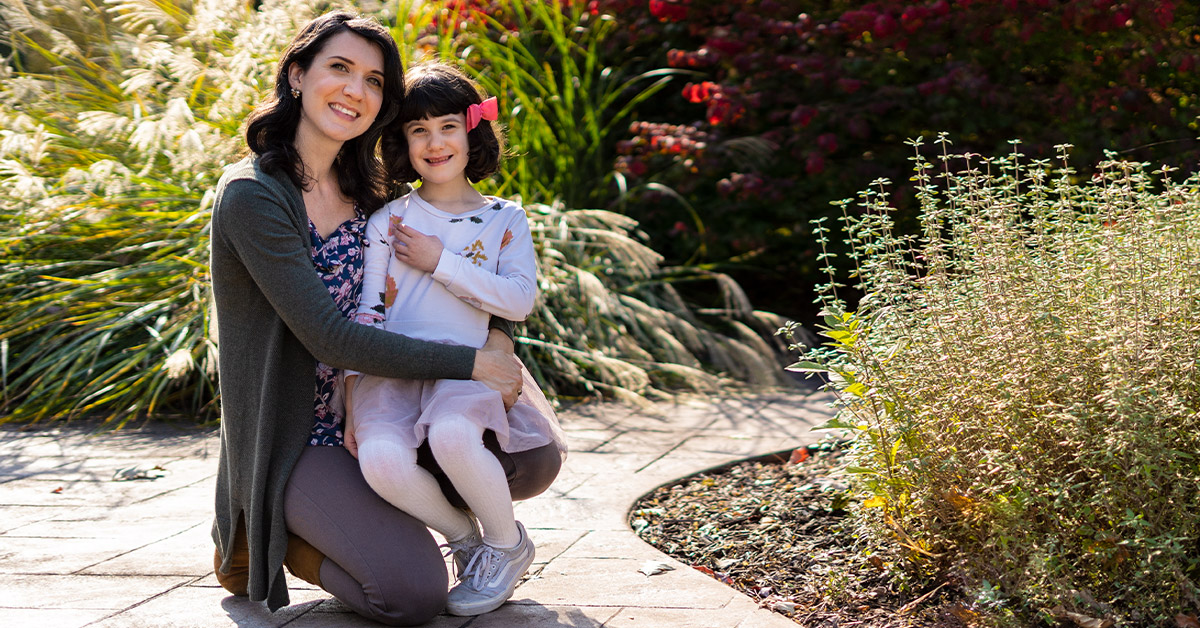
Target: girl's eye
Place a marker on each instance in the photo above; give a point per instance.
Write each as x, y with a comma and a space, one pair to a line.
376, 82
337, 65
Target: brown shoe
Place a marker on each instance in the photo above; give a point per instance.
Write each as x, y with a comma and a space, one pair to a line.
237, 581
303, 560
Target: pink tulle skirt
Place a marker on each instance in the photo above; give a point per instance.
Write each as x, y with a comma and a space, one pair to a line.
409, 406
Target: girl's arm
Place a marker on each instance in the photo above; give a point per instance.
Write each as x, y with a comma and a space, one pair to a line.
372, 302
508, 293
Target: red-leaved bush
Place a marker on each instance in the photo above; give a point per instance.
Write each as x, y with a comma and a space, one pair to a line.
792, 104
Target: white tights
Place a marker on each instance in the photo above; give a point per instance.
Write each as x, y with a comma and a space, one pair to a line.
457, 442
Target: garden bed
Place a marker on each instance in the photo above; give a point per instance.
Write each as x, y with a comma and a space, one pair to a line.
775, 528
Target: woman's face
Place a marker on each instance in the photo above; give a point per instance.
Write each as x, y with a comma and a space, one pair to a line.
341, 91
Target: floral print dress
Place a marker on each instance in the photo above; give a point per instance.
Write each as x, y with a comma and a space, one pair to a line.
339, 263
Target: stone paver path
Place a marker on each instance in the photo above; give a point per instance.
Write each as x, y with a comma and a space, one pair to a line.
80, 548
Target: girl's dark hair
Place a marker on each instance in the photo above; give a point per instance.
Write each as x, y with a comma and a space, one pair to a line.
271, 128
433, 90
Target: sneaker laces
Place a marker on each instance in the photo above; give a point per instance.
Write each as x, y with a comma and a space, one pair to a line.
482, 567
456, 549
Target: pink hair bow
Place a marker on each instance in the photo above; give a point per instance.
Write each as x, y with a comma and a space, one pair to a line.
486, 110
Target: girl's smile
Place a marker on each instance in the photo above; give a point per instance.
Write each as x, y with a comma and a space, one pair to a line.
439, 151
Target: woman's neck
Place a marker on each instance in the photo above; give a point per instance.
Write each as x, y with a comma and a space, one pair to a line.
317, 157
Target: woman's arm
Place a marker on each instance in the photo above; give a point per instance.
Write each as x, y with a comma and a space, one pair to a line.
270, 242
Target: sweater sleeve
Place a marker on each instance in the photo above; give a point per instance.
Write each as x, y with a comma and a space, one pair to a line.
377, 254
511, 290
256, 225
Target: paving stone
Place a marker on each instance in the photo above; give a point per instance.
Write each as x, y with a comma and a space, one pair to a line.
531, 615
49, 617
333, 614
611, 544
550, 544
81, 592
198, 607
25, 555
617, 582
687, 618
16, 516
182, 553
569, 514
105, 493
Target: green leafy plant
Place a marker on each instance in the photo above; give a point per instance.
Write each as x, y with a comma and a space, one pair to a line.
1023, 378
117, 120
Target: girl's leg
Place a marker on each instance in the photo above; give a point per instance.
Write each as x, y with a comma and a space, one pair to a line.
379, 561
457, 444
529, 473
390, 468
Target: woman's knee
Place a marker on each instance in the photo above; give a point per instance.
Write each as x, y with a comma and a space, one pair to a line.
414, 606
534, 471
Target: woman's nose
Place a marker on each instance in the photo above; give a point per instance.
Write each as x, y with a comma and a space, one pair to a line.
353, 88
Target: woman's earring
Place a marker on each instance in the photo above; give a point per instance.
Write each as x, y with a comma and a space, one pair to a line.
295, 93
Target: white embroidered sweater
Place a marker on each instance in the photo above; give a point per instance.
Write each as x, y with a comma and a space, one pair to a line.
488, 266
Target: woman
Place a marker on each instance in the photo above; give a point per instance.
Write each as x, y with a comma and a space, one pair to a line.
284, 228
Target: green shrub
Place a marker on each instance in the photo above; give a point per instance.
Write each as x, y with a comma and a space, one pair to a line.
117, 119
1022, 381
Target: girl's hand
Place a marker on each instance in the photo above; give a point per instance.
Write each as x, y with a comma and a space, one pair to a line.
499, 371
417, 249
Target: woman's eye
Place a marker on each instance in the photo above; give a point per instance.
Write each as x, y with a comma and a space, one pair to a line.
338, 66
376, 82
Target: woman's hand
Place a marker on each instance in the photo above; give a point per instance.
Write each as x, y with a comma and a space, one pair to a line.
500, 371
422, 252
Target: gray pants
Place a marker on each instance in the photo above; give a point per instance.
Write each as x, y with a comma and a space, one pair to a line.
379, 561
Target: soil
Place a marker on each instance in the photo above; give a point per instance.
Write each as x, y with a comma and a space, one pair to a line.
775, 528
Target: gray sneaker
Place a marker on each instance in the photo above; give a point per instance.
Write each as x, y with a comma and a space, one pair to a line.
490, 578
465, 549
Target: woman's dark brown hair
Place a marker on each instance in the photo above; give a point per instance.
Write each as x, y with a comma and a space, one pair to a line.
271, 128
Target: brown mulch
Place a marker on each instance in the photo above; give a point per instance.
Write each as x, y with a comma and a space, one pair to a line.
775, 528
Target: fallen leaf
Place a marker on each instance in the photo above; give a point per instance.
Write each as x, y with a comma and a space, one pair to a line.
798, 455
139, 473
1081, 620
655, 567
57, 490
1186, 621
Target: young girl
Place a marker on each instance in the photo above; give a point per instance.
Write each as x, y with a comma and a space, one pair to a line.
462, 257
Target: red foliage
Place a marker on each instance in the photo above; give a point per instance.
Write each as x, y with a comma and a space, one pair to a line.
831, 88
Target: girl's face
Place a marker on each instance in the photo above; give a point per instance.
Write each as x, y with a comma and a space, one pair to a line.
341, 91
438, 148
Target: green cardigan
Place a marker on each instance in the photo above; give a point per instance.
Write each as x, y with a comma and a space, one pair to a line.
275, 319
